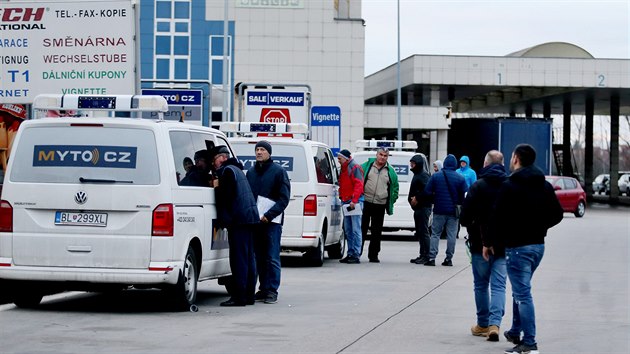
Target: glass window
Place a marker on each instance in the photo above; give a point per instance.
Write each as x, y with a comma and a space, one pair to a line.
66, 154
182, 9
183, 152
163, 45
163, 27
162, 69
216, 46
323, 169
181, 27
181, 45
217, 71
163, 9
181, 69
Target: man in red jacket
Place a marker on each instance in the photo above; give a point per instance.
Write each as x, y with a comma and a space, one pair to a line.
351, 195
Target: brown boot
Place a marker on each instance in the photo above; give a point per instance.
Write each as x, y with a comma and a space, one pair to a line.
479, 331
493, 333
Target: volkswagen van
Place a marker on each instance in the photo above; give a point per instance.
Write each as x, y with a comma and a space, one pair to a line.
95, 202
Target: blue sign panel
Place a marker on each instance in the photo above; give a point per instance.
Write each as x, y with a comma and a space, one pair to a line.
284, 161
270, 98
325, 116
178, 97
85, 156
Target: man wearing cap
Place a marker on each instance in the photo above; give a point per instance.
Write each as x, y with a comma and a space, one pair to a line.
236, 211
380, 190
351, 195
271, 187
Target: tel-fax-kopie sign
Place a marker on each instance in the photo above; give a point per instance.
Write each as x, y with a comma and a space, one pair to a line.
75, 47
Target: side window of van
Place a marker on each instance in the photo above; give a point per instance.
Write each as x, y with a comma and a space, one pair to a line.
183, 153
322, 166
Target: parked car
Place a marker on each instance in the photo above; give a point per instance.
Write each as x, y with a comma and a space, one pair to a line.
624, 184
601, 184
570, 194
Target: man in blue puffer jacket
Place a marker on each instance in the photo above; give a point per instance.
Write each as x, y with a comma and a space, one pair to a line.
447, 188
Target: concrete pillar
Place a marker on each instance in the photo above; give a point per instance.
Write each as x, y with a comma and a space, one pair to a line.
528, 111
567, 164
589, 109
435, 96
438, 144
547, 110
614, 147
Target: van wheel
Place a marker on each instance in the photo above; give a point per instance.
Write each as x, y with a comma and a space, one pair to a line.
184, 293
336, 251
581, 209
315, 256
27, 300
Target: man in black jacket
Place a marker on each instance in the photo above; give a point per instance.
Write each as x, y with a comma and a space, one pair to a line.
421, 205
236, 211
525, 209
272, 190
487, 256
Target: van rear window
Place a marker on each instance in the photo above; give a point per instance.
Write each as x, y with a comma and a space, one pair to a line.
71, 155
291, 157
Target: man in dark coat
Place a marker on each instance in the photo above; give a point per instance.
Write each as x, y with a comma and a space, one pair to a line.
421, 205
237, 211
487, 255
272, 190
525, 209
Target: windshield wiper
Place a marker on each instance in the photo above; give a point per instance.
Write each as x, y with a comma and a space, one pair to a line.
97, 180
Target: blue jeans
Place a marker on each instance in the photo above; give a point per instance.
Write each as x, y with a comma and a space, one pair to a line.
352, 230
489, 274
450, 222
267, 251
521, 263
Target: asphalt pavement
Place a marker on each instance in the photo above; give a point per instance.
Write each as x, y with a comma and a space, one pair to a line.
580, 291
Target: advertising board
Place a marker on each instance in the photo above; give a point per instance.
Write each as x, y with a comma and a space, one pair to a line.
75, 47
276, 106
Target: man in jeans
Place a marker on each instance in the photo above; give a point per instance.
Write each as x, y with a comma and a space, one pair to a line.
525, 209
447, 188
380, 190
351, 195
488, 256
270, 184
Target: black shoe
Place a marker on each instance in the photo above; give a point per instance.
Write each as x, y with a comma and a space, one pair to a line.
344, 260
430, 263
231, 303
260, 296
271, 299
353, 260
447, 263
250, 302
419, 260
523, 349
374, 260
512, 338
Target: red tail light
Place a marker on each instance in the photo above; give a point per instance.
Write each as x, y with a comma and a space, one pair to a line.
6, 216
162, 224
310, 205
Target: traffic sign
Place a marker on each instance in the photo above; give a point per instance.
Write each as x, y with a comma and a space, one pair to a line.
326, 126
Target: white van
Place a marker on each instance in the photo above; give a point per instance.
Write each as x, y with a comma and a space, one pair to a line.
312, 221
96, 203
400, 152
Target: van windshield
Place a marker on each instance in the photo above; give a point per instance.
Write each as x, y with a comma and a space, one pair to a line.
291, 157
86, 154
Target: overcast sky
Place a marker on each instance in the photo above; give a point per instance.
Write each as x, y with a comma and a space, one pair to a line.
492, 27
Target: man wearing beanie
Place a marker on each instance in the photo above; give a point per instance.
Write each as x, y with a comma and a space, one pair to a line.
271, 187
351, 195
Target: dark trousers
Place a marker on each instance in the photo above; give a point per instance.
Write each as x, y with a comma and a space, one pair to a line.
373, 216
421, 221
267, 249
242, 262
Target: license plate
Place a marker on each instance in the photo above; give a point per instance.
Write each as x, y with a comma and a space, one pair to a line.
80, 218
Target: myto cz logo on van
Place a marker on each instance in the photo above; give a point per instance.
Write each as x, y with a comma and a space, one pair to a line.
84, 156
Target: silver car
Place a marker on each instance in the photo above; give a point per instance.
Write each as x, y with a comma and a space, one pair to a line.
624, 184
601, 184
